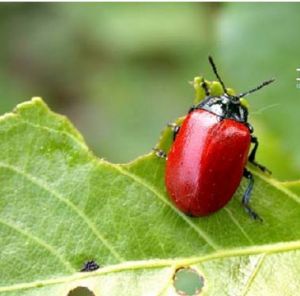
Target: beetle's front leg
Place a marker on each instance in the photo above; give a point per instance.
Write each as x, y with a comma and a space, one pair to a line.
175, 128
160, 153
251, 157
247, 196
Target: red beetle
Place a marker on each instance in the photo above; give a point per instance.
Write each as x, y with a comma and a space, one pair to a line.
207, 160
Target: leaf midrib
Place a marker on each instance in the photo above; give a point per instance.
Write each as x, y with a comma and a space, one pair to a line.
161, 263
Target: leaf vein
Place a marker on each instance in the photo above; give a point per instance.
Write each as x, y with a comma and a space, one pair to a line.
254, 273
237, 223
52, 130
278, 186
40, 242
204, 236
42, 184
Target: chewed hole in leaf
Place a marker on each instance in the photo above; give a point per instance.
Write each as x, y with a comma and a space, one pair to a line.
81, 291
188, 282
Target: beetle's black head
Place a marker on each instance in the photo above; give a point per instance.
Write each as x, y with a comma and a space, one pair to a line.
227, 105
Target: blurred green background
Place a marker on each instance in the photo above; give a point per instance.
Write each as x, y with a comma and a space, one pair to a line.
120, 71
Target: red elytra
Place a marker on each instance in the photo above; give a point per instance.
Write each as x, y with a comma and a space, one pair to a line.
206, 162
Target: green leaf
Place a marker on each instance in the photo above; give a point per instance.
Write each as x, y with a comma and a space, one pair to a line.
60, 206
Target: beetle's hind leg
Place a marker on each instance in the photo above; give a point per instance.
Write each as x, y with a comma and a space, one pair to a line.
247, 196
175, 128
251, 157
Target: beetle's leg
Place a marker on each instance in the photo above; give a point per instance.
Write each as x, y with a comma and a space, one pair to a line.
251, 157
247, 196
205, 87
175, 128
160, 153
250, 127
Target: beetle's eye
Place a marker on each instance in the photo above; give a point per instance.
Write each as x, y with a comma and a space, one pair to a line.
244, 103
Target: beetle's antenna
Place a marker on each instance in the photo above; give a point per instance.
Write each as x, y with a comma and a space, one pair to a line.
265, 83
213, 65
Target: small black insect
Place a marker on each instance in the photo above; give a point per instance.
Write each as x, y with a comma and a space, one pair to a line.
90, 266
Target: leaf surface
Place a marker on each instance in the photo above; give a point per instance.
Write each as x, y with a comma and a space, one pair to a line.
60, 206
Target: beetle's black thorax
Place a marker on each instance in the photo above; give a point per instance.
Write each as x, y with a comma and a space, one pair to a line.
225, 107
